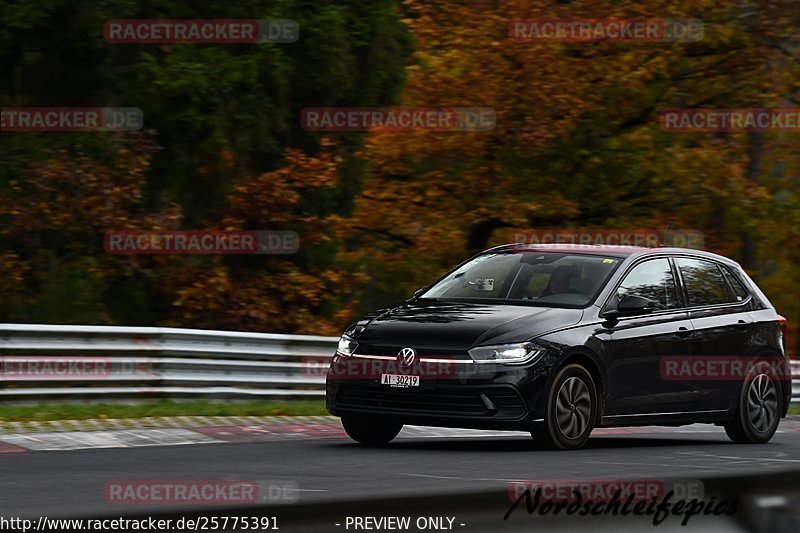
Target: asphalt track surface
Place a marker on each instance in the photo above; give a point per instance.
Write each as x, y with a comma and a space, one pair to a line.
424, 463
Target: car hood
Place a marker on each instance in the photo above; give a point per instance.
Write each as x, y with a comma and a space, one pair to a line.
437, 326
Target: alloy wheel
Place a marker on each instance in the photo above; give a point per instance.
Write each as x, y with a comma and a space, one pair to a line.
762, 402
573, 408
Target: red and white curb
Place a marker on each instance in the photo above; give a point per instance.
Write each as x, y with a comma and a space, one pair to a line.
178, 431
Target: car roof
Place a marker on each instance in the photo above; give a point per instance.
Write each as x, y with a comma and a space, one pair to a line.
609, 249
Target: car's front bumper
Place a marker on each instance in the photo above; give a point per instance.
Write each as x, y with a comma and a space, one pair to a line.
502, 397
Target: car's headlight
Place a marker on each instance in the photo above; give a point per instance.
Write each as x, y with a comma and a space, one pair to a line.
523, 352
347, 346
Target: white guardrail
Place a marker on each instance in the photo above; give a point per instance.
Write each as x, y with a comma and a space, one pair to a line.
128, 362
795, 382
141, 362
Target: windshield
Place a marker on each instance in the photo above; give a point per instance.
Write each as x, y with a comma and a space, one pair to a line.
545, 279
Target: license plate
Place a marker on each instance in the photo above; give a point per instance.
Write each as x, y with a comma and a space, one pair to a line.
399, 380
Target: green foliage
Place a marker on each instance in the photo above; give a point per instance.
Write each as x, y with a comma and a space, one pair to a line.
577, 144
219, 115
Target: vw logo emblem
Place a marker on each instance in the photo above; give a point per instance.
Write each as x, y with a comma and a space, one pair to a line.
406, 357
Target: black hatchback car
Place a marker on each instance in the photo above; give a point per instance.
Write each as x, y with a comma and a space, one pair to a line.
560, 339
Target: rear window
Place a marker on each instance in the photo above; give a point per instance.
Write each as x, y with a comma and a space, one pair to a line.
704, 281
739, 292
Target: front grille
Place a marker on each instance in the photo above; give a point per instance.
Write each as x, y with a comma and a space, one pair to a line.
392, 351
450, 402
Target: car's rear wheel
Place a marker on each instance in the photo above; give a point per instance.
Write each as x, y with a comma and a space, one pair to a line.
371, 431
759, 408
571, 410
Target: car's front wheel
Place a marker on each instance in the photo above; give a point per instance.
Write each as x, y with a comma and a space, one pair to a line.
759, 408
371, 431
571, 410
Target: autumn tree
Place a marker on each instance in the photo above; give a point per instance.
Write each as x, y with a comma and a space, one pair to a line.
578, 141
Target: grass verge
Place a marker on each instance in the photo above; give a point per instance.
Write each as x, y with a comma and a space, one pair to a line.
81, 411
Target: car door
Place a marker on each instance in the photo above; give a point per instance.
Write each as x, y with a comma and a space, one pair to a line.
635, 346
718, 310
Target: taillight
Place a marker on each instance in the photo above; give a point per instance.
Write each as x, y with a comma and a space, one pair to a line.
782, 324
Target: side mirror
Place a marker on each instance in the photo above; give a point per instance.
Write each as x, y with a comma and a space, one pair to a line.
635, 305
627, 305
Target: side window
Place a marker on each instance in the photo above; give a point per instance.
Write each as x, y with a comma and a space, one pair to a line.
652, 280
704, 282
738, 290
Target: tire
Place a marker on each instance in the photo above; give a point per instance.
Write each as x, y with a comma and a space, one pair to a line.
758, 409
570, 412
370, 431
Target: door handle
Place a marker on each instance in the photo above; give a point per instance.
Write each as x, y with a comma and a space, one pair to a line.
743, 325
683, 332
